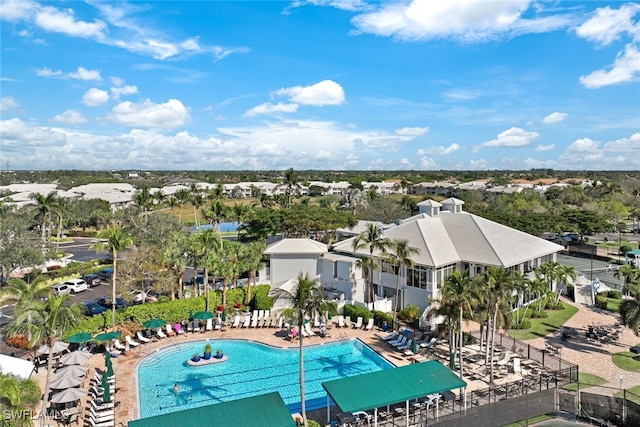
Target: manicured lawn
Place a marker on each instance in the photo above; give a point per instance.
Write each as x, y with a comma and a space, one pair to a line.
613, 305
544, 327
634, 394
586, 380
624, 360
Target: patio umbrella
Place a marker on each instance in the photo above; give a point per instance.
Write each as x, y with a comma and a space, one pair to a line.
224, 316
106, 394
203, 315
108, 336
154, 323
66, 382
69, 395
108, 364
414, 347
75, 358
80, 338
72, 371
58, 346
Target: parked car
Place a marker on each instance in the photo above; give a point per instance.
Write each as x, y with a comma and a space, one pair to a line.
92, 308
61, 289
105, 274
92, 280
106, 302
139, 297
77, 285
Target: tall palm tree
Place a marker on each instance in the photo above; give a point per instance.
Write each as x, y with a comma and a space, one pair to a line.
196, 201
291, 182
17, 396
45, 322
215, 213
183, 197
499, 294
21, 293
113, 239
630, 312
399, 254
208, 242
306, 300
238, 213
174, 256
460, 294
254, 262
630, 274
44, 207
373, 239
60, 208
563, 274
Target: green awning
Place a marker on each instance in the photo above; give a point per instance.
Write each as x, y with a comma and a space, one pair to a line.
389, 386
267, 410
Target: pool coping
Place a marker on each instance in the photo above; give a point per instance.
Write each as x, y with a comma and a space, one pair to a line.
136, 394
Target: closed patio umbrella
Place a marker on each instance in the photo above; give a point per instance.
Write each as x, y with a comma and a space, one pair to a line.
72, 371
58, 347
108, 364
106, 394
223, 316
69, 395
66, 382
75, 358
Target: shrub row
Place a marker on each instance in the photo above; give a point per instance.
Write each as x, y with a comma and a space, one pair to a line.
355, 311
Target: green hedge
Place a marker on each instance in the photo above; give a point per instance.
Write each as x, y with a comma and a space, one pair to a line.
601, 302
260, 300
379, 317
355, 311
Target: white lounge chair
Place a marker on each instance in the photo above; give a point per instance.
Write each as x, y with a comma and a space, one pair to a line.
247, 321
218, 324
160, 334
117, 344
347, 321
254, 321
429, 344
504, 361
406, 346
307, 326
142, 338
358, 323
99, 405
169, 328
196, 326
280, 322
392, 336
369, 326
341, 321
209, 326
517, 367
236, 321
400, 341
130, 341
93, 423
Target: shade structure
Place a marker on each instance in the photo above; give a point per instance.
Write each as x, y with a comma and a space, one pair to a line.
75, 358
57, 347
72, 371
69, 395
108, 364
108, 336
154, 323
203, 315
106, 394
66, 382
80, 338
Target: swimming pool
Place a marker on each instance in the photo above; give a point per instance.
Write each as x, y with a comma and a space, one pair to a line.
252, 369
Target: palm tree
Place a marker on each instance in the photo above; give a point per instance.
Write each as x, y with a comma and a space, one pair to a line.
44, 207
174, 256
563, 273
499, 293
630, 312
113, 240
45, 322
183, 197
21, 293
215, 213
60, 208
373, 239
238, 213
399, 254
459, 293
254, 262
306, 300
630, 274
407, 204
196, 201
17, 396
208, 243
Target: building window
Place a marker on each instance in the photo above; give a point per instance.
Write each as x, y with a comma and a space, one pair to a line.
417, 277
389, 268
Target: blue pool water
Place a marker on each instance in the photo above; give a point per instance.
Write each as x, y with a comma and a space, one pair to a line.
252, 369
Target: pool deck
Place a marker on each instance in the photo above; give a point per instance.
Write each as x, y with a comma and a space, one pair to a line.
592, 359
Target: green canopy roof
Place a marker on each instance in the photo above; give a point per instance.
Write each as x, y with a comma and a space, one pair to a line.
382, 388
634, 252
267, 410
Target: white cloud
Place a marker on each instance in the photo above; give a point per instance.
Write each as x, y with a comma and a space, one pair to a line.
625, 68
513, 137
440, 150
412, 131
81, 73
326, 92
461, 20
269, 108
63, 21
95, 97
583, 145
463, 94
149, 114
625, 145
70, 117
17, 10
349, 5
117, 91
544, 148
554, 117
428, 163
606, 25
8, 103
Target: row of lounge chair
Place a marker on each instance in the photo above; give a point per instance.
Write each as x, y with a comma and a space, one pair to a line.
100, 413
345, 322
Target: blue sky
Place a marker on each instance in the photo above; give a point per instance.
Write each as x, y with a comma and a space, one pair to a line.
321, 84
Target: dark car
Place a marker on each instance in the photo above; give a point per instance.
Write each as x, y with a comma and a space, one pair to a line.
106, 302
105, 274
92, 308
92, 280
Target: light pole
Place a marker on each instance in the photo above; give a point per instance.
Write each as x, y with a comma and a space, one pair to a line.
620, 382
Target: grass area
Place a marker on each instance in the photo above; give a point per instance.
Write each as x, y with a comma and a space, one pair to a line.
624, 360
586, 380
614, 244
613, 304
530, 421
544, 327
633, 395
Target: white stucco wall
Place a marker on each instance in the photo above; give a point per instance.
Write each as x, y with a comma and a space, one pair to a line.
289, 266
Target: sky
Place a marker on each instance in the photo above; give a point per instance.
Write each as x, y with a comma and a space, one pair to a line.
320, 84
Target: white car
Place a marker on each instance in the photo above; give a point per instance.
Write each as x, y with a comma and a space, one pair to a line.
77, 285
